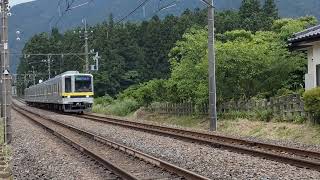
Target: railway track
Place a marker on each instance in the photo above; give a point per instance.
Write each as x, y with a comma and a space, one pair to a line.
297, 157
125, 162
293, 156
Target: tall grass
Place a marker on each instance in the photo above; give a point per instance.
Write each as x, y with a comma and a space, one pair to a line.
261, 115
121, 107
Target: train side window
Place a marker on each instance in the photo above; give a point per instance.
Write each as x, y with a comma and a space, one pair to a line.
68, 84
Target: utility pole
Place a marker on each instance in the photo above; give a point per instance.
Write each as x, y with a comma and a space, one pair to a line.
5, 73
34, 76
212, 69
86, 46
212, 64
49, 65
25, 81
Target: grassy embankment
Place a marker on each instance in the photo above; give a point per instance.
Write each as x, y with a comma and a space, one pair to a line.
244, 124
299, 132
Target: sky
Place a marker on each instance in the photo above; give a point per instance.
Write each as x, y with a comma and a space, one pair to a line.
14, 2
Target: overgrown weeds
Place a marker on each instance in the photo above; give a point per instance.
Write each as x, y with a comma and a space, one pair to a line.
261, 115
119, 107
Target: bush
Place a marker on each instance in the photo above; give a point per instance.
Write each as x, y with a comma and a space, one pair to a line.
120, 107
146, 93
299, 119
237, 114
261, 115
311, 100
264, 115
104, 100
284, 92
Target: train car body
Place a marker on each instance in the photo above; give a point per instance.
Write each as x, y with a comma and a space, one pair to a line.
69, 92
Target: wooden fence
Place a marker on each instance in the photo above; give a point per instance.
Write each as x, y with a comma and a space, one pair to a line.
285, 107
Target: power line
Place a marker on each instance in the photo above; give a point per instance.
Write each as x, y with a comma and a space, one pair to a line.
64, 12
133, 11
169, 5
69, 7
54, 16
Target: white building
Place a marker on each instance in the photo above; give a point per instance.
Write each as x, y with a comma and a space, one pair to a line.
309, 40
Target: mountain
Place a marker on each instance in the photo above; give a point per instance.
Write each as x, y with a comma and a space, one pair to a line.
39, 16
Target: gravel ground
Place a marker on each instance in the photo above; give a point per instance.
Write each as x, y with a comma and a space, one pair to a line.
38, 154
141, 169
205, 160
289, 143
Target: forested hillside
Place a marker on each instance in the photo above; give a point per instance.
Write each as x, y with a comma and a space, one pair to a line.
38, 16
166, 59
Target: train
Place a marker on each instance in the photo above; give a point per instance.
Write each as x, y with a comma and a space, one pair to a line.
70, 92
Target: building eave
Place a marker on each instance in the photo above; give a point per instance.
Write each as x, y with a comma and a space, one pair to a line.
304, 43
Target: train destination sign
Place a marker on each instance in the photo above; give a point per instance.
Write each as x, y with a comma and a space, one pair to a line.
83, 78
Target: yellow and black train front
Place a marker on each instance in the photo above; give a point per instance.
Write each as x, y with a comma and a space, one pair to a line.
78, 92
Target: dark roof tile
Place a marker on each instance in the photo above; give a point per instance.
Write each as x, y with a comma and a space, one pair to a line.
306, 34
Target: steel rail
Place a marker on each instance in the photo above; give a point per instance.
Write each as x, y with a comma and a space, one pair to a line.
265, 150
260, 149
153, 160
117, 170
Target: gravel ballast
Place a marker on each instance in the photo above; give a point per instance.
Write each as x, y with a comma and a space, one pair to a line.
289, 143
38, 154
205, 160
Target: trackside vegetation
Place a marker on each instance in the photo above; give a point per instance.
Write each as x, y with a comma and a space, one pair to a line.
165, 60
311, 100
248, 65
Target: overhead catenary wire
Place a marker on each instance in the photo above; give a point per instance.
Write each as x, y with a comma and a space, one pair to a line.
69, 6
54, 16
132, 12
167, 6
64, 12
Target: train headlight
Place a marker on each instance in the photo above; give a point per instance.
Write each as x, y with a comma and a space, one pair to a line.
87, 96
68, 96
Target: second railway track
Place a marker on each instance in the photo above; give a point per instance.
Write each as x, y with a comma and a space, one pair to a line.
126, 162
294, 156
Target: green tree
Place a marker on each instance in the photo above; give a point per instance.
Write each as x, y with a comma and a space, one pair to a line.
248, 65
287, 27
270, 13
270, 9
227, 21
250, 15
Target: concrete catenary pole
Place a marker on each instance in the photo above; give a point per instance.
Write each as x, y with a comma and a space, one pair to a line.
86, 46
212, 69
33, 76
5, 75
49, 65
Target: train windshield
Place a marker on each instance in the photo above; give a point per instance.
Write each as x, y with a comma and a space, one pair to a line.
83, 84
68, 84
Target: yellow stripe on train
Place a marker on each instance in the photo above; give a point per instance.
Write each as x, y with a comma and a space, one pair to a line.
78, 94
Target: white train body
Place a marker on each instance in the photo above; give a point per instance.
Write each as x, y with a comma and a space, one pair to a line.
69, 92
